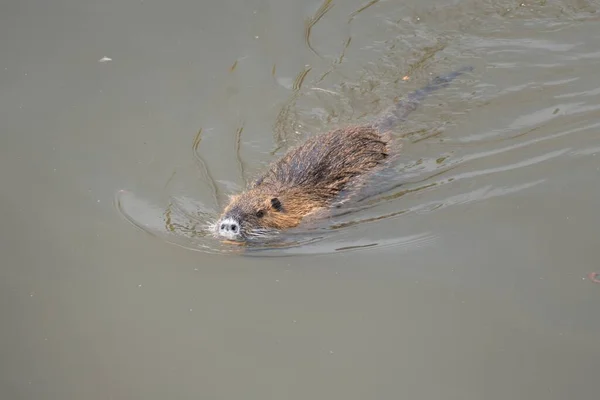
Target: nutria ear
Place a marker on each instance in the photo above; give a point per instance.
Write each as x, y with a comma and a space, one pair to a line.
276, 204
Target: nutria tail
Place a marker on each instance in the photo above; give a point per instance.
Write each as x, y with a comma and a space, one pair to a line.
399, 111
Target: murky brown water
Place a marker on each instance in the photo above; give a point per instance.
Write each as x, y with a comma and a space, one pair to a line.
470, 281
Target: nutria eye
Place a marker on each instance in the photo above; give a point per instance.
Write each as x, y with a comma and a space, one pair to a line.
276, 204
260, 213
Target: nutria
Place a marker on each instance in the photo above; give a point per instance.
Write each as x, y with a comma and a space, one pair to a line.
313, 176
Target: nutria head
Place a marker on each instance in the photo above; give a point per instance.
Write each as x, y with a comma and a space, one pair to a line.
262, 212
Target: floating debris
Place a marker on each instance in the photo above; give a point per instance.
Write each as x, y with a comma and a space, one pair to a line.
300, 78
238, 145
310, 23
363, 8
105, 59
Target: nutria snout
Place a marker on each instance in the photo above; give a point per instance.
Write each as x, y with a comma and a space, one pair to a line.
313, 176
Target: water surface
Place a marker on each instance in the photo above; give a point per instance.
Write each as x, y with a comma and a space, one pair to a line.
467, 282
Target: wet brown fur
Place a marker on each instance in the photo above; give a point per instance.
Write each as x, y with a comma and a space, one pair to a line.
310, 178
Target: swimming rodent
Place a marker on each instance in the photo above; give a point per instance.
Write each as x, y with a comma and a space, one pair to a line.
313, 176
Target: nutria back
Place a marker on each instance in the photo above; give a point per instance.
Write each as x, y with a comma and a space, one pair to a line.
325, 164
